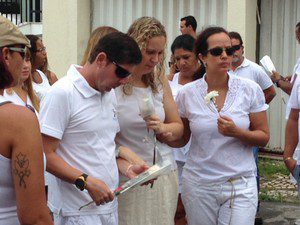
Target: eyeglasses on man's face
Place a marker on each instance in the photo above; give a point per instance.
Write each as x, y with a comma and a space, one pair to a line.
22, 51
217, 51
120, 71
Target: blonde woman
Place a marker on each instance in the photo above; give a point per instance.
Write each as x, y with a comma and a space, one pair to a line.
96, 35
23, 93
149, 205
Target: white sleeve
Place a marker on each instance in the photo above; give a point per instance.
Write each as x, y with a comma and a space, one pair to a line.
180, 102
258, 102
264, 80
294, 98
54, 113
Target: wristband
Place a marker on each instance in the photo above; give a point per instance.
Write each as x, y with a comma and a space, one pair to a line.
287, 158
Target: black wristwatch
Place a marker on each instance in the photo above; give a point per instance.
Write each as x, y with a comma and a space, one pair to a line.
80, 182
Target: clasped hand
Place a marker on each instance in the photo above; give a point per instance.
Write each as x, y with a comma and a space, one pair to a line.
227, 127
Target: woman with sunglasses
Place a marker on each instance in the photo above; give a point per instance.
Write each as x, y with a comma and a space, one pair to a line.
22, 190
23, 93
42, 80
219, 185
152, 204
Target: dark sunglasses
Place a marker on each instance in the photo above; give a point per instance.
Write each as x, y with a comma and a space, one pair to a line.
236, 47
120, 71
218, 51
20, 50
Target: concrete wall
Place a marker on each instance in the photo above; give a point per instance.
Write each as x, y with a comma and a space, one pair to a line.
241, 17
66, 28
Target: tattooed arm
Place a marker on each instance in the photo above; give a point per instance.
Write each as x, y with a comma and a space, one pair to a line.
27, 168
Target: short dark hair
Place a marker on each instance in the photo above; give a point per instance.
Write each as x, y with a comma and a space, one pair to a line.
184, 41
190, 20
118, 47
6, 78
298, 24
236, 35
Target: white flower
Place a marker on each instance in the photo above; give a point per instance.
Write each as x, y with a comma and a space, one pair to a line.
211, 96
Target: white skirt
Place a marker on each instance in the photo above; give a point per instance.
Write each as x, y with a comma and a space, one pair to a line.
148, 206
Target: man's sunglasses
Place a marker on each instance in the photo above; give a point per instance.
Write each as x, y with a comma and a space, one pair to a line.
20, 50
120, 71
218, 51
236, 47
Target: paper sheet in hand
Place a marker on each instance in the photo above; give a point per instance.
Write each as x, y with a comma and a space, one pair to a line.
152, 173
267, 64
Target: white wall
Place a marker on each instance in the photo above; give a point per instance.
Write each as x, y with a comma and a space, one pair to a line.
66, 27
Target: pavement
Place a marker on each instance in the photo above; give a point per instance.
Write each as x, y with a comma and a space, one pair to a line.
275, 213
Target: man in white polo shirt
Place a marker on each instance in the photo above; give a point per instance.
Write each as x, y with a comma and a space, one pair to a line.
245, 68
79, 123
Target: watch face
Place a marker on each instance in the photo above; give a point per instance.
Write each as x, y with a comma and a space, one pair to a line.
79, 184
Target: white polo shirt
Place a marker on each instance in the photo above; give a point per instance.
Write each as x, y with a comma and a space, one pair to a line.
85, 122
214, 158
254, 72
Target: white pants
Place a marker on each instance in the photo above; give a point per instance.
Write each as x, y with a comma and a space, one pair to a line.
231, 203
100, 219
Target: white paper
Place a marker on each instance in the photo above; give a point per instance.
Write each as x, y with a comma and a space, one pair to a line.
267, 64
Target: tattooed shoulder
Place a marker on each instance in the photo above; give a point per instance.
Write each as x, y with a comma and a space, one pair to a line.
21, 168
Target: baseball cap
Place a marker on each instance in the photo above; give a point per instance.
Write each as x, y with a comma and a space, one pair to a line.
10, 34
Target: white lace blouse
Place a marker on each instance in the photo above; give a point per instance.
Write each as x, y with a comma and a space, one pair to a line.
213, 157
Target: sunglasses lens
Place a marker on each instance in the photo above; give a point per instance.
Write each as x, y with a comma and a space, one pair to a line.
216, 51
229, 51
121, 72
236, 47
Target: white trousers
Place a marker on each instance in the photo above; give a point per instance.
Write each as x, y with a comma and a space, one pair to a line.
231, 203
100, 219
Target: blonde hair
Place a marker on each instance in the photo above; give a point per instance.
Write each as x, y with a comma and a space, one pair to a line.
27, 86
142, 30
96, 35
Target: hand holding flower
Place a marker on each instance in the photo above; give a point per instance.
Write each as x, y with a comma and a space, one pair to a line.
154, 123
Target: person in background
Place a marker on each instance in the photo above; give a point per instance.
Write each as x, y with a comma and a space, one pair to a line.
245, 68
188, 25
224, 115
23, 93
143, 134
187, 62
41, 82
22, 192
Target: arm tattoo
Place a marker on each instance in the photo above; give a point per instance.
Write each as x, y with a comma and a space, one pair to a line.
21, 164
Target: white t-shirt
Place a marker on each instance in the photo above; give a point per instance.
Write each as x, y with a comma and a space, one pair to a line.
254, 72
133, 131
85, 122
42, 88
296, 77
180, 154
214, 158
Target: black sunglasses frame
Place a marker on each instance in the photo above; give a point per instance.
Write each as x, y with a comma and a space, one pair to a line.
217, 51
236, 47
120, 71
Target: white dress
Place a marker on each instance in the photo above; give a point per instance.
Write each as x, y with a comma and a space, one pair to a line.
145, 205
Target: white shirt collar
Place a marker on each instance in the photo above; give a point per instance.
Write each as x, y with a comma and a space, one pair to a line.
80, 82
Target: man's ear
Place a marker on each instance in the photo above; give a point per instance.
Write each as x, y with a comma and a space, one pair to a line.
6, 55
201, 58
101, 59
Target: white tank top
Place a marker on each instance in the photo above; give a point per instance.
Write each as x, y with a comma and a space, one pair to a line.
42, 88
8, 206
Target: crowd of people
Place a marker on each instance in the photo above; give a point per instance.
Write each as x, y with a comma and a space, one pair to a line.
73, 141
